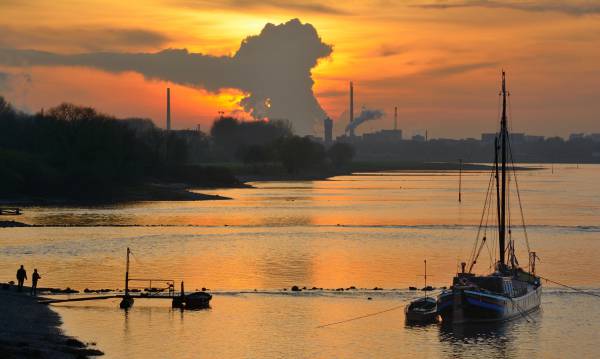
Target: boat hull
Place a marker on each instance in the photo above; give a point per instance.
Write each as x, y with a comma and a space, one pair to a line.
422, 310
198, 300
459, 306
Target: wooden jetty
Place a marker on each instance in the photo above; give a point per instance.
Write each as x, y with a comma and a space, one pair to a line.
85, 298
13, 211
196, 300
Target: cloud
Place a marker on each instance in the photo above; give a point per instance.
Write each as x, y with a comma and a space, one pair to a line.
272, 68
456, 69
577, 8
431, 74
81, 38
286, 5
387, 50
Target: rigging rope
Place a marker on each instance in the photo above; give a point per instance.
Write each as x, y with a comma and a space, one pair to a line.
512, 160
364, 316
472, 257
519, 198
572, 288
523, 313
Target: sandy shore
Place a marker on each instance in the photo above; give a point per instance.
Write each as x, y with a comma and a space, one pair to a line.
31, 330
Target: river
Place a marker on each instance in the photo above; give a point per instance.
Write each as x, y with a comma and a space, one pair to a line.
366, 230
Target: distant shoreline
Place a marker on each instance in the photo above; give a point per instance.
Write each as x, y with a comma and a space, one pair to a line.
142, 193
185, 192
32, 330
358, 167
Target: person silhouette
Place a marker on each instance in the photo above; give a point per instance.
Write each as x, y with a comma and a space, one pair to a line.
34, 279
21, 277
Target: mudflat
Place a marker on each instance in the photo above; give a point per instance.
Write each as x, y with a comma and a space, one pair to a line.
32, 330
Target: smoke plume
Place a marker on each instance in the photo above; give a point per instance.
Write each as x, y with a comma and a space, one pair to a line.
365, 115
273, 68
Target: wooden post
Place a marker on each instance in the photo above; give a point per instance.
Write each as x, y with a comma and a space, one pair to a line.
425, 261
460, 181
127, 274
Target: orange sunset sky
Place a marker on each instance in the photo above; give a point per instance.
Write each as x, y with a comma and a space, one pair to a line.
438, 61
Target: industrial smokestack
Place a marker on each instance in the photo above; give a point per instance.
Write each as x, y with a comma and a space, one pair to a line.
351, 103
168, 109
395, 118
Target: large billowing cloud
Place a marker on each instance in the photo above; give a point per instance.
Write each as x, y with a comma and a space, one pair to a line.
272, 68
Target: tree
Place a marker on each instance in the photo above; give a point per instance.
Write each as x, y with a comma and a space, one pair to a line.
341, 154
253, 154
297, 153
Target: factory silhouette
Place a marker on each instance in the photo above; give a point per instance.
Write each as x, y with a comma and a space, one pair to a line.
389, 145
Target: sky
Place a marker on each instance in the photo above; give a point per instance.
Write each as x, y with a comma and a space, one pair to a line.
438, 61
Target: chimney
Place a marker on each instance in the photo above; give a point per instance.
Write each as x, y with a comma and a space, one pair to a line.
396, 118
351, 102
168, 109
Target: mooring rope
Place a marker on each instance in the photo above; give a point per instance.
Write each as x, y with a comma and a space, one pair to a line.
521, 311
364, 316
572, 288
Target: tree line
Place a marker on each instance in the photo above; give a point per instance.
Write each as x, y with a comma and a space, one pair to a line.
74, 151
258, 143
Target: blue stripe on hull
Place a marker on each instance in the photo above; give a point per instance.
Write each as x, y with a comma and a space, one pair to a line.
482, 307
485, 305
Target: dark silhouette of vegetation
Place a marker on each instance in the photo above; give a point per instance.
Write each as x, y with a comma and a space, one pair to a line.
255, 155
230, 135
77, 153
340, 154
298, 153
74, 152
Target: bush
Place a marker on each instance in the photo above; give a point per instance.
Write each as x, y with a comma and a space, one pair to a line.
340, 154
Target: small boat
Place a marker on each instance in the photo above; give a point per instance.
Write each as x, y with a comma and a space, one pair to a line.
422, 310
196, 300
126, 302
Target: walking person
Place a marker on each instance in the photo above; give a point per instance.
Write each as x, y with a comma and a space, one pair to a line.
34, 279
21, 277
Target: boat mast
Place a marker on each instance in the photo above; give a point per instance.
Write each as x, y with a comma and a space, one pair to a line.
127, 274
503, 139
425, 277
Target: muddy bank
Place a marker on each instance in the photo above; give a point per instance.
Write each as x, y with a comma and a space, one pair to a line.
32, 330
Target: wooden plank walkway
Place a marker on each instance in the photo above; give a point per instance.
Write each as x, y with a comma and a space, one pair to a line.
84, 298
10, 211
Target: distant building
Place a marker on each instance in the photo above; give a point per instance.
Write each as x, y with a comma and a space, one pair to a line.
594, 137
576, 136
328, 131
385, 136
418, 138
515, 138
488, 137
534, 138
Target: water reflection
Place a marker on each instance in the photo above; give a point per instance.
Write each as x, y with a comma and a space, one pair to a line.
510, 339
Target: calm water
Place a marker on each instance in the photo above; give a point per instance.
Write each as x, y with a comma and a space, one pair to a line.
364, 230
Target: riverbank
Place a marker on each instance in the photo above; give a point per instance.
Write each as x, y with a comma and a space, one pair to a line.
277, 173
32, 330
142, 193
